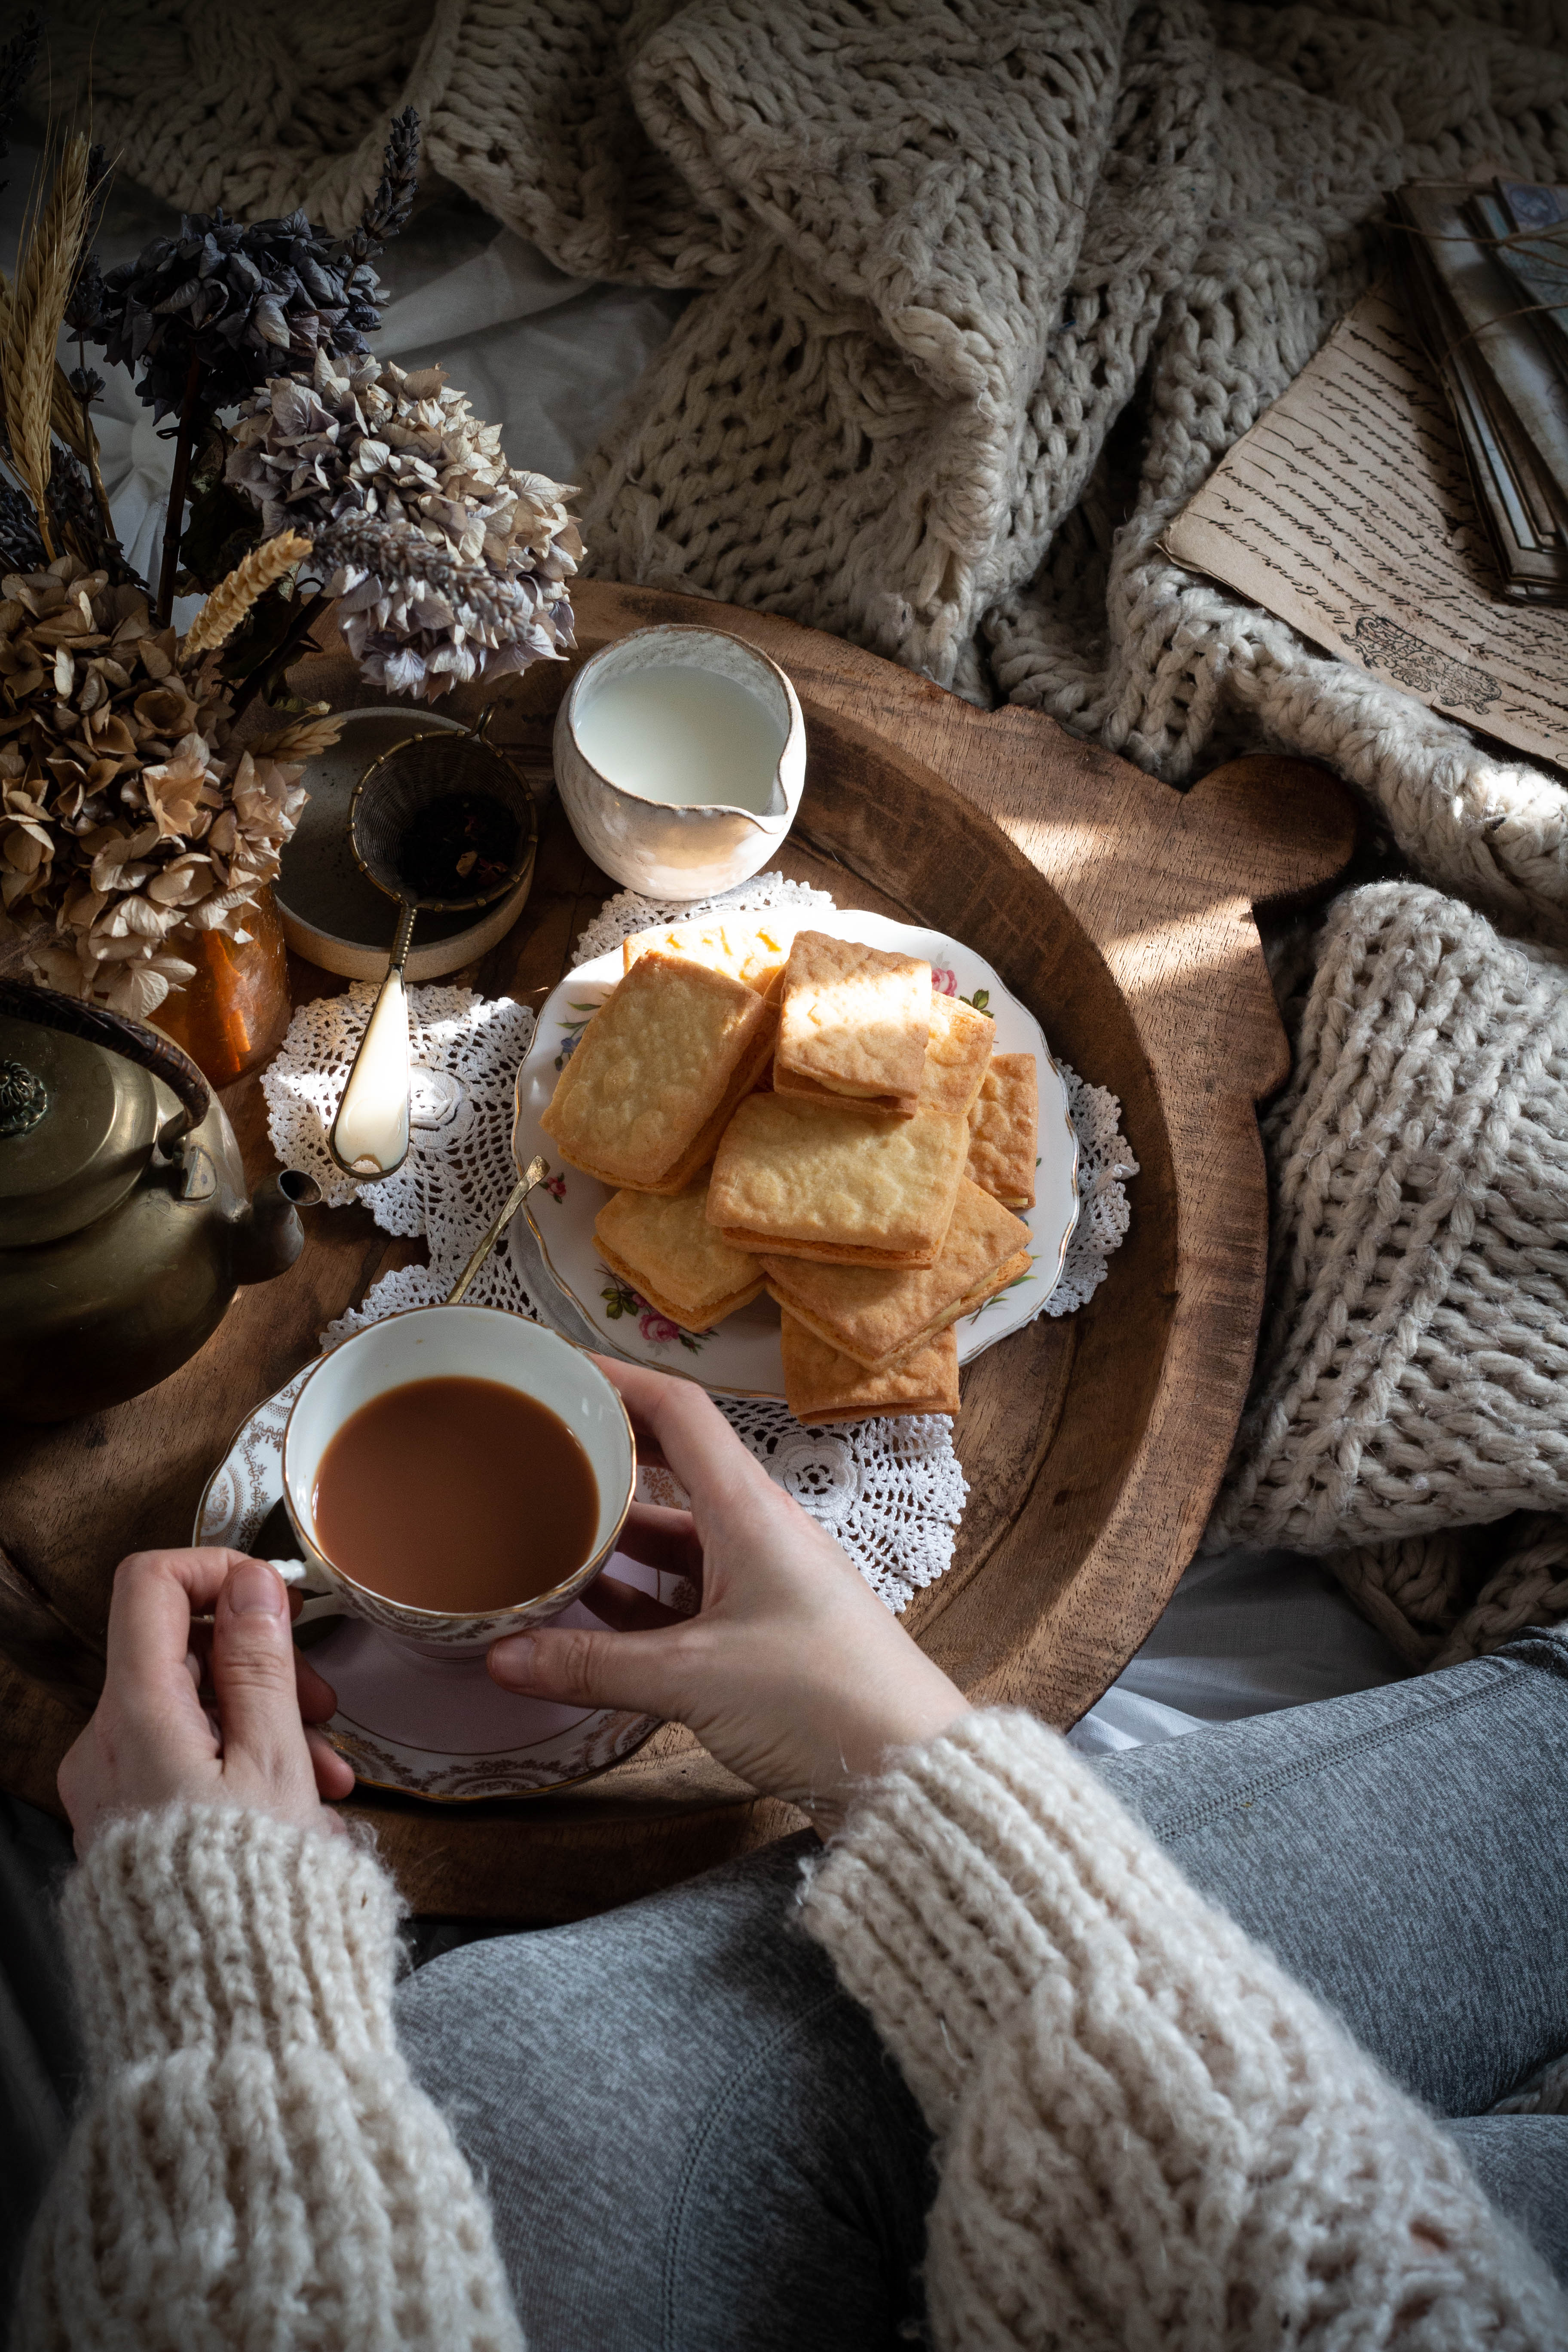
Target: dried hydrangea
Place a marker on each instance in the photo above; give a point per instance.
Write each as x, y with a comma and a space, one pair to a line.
418, 621
239, 301
126, 810
243, 300
464, 574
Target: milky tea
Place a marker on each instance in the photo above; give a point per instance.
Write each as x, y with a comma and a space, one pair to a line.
458, 1494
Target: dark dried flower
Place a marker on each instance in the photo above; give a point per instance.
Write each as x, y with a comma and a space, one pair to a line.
21, 548
84, 304
18, 56
389, 208
245, 303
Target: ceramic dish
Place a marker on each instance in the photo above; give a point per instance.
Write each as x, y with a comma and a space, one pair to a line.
427, 1726
333, 914
742, 1356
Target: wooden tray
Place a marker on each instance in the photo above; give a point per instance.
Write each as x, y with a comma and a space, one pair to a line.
1121, 912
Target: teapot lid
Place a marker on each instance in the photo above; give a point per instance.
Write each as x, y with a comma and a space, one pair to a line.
77, 1126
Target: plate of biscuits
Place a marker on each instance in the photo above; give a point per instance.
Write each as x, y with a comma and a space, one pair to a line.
826, 1158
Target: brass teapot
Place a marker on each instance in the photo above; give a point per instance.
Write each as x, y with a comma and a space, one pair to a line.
124, 1224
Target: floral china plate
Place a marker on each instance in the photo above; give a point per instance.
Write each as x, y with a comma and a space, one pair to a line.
406, 1719
741, 1356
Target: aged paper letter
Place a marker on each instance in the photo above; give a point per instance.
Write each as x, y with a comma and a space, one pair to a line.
1347, 511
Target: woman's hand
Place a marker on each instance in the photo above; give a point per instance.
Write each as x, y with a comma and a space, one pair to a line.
151, 1740
794, 1674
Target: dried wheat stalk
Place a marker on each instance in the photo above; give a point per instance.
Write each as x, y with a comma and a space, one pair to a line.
37, 306
233, 598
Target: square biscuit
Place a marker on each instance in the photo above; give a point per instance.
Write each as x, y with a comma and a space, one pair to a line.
812, 1090
876, 1315
664, 1246
854, 1018
750, 948
842, 1185
822, 1385
1004, 1130
656, 1073
958, 1054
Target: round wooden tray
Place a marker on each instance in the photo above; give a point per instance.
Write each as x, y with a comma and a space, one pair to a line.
1121, 912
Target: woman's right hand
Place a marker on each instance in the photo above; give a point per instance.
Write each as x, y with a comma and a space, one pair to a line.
792, 1673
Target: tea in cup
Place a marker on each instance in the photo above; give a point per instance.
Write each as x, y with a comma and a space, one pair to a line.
454, 1474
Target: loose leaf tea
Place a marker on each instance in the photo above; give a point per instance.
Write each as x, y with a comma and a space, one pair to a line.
459, 846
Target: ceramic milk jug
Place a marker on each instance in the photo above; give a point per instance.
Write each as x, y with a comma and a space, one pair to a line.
680, 757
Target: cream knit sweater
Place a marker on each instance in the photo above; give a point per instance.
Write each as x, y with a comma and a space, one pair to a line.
1151, 2140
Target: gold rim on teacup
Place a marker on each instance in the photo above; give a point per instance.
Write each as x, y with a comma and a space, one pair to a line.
451, 1626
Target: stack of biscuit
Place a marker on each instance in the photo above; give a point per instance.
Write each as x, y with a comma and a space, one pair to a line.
787, 1111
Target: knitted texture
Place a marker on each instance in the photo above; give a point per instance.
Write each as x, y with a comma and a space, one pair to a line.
255, 2165
1443, 1598
1148, 2135
942, 247
1413, 1373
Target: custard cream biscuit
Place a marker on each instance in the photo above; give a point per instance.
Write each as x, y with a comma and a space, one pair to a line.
877, 1315
821, 1384
958, 1054
750, 948
841, 1185
657, 1072
1004, 1130
665, 1249
854, 1019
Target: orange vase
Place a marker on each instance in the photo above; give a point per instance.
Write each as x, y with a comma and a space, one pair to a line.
232, 1015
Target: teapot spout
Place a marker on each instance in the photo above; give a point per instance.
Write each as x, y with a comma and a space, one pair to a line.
269, 1235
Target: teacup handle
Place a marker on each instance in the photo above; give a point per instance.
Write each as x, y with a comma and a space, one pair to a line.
314, 1604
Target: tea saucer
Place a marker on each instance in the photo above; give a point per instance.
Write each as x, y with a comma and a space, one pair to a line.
410, 1719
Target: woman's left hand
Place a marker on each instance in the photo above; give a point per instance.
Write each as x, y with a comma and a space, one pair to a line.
154, 1739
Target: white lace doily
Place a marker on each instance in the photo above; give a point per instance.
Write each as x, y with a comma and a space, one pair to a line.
891, 1491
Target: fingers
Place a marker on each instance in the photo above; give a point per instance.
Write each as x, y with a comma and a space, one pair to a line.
253, 1670
693, 1437
577, 1668
627, 1609
661, 1538
317, 1700
334, 1773
150, 1612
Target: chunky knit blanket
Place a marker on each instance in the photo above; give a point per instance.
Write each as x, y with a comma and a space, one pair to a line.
984, 290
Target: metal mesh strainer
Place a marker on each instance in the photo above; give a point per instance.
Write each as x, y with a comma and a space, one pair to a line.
397, 790
403, 798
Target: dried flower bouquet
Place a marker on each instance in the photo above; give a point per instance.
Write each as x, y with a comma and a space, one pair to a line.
131, 812
126, 807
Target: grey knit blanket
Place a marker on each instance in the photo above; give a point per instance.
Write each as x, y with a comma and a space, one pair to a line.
985, 288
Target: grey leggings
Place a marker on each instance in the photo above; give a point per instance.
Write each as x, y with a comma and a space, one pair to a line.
694, 2143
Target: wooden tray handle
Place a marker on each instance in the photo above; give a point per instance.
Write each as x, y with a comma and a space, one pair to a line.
117, 1034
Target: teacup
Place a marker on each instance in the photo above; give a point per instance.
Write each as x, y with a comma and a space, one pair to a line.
680, 797
465, 1343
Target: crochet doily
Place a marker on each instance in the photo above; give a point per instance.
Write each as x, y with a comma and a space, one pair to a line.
890, 1490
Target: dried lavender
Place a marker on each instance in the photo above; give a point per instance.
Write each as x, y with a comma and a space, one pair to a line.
21, 548
388, 209
420, 620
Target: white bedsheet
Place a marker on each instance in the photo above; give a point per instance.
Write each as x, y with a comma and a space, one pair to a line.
548, 358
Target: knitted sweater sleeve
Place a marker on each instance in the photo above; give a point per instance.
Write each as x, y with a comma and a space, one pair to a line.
1148, 2135
253, 2165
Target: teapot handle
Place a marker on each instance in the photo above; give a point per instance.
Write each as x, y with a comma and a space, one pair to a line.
118, 1033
